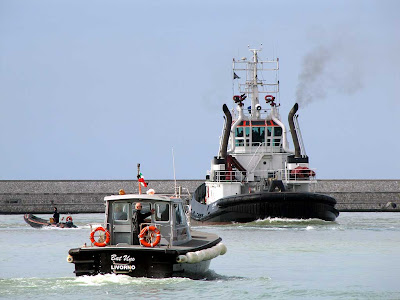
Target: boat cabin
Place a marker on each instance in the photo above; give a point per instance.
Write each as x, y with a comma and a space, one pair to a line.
169, 217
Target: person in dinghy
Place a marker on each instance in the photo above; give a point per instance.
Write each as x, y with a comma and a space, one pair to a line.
56, 220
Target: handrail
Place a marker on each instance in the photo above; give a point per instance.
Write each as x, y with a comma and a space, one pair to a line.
264, 113
229, 176
281, 174
268, 149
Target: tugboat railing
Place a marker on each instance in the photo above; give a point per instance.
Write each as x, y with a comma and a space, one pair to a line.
307, 176
281, 174
229, 176
271, 146
264, 113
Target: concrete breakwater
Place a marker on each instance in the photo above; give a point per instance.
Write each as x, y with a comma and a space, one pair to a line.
86, 196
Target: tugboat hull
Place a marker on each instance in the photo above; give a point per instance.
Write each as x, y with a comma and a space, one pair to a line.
251, 207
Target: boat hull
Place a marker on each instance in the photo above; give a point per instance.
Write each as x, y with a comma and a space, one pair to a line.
138, 261
37, 222
254, 206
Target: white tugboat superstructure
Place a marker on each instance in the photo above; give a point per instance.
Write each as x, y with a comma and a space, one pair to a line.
255, 174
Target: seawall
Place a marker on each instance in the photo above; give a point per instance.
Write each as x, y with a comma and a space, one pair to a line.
86, 196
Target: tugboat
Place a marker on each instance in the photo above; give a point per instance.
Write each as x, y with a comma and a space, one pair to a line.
163, 246
258, 176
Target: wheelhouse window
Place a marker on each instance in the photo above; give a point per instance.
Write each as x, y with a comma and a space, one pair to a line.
277, 131
277, 134
239, 136
242, 133
162, 212
274, 134
120, 211
180, 217
145, 207
258, 132
239, 132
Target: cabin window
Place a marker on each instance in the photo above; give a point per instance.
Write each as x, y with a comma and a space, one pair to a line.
258, 135
162, 212
120, 211
239, 136
277, 131
179, 214
239, 131
247, 131
145, 207
269, 133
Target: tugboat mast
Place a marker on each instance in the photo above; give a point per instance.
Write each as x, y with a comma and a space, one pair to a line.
254, 85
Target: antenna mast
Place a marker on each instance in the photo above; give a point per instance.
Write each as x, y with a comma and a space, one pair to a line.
138, 175
173, 163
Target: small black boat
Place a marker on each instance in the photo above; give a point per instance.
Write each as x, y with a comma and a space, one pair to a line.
37, 222
165, 247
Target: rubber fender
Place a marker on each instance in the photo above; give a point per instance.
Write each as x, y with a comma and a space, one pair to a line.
223, 248
200, 255
182, 259
192, 257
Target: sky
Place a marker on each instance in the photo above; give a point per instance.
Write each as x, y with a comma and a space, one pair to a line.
90, 88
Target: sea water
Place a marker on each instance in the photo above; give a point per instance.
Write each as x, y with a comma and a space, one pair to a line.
355, 257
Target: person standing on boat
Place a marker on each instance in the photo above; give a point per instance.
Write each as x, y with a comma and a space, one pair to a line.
137, 219
56, 216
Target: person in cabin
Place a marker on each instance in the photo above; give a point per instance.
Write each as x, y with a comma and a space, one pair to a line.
119, 213
56, 216
137, 219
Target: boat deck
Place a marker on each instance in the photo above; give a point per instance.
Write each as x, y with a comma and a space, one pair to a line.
200, 240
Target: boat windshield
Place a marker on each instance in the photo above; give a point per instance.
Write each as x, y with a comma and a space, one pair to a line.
120, 211
162, 212
180, 217
145, 207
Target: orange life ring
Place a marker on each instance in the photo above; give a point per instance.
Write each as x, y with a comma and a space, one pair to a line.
69, 219
100, 244
150, 231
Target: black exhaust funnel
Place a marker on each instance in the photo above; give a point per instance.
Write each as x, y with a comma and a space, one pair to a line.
227, 132
293, 130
